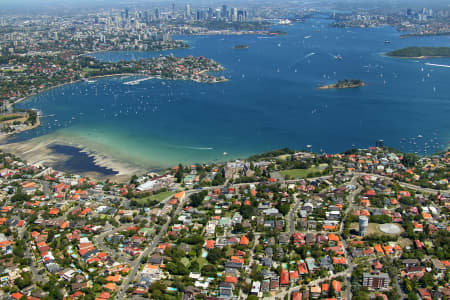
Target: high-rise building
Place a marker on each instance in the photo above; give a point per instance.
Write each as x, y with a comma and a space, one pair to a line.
126, 13
234, 14
224, 13
240, 16
363, 225
188, 11
157, 14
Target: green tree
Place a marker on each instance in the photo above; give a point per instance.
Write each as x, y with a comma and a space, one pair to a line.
410, 159
179, 174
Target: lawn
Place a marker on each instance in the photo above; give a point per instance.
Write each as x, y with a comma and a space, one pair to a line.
284, 156
185, 261
201, 262
372, 229
299, 173
10, 117
158, 197
89, 69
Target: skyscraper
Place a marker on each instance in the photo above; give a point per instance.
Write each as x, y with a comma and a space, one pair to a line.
126, 13
224, 11
240, 16
188, 11
234, 14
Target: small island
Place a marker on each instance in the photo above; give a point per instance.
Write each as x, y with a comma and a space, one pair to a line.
344, 84
240, 47
420, 52
277, 32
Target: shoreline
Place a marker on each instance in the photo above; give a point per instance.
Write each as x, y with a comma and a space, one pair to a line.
409, 35
105, 76
36, 125
39, 152
415, 57
71, 82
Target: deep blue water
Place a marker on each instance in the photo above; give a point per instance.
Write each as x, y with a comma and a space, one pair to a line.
271, 101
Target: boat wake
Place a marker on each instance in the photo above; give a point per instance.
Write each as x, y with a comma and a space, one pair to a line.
437, 65
198, 148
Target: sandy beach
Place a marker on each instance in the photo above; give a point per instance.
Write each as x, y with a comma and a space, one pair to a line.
39, 152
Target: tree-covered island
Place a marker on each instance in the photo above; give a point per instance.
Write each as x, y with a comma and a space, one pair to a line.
344, 84
420, 52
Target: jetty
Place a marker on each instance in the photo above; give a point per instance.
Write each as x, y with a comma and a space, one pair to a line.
137, 81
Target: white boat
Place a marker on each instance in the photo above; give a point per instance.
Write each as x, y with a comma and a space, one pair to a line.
284, 22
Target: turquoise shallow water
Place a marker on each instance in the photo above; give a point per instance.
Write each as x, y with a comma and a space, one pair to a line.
271, 102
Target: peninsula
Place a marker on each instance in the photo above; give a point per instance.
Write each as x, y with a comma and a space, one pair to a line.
420, 52
11, 123
24, 76
344, 84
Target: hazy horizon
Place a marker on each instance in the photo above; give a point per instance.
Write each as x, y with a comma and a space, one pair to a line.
55, 4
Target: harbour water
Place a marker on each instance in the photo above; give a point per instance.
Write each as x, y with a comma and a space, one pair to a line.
271, 101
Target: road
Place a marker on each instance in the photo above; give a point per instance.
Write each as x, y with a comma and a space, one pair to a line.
351, 205
135, 265
45, 187
292, 215
408, 185
134, 268
99, 240
33, 266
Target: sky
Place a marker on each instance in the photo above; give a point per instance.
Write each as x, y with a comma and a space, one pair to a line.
52, 4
